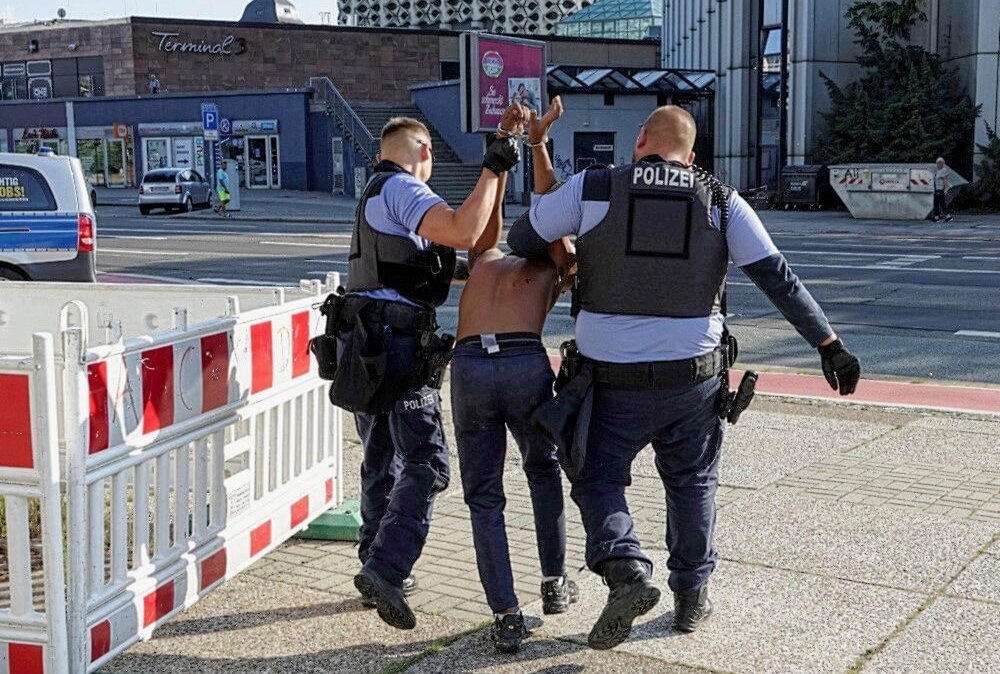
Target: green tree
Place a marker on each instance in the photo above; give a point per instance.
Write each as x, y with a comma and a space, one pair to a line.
987, 186
906, 106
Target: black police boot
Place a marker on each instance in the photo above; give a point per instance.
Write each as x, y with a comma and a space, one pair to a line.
557, 595
632, 594
389, 599
508, 632
409, 587
691, 609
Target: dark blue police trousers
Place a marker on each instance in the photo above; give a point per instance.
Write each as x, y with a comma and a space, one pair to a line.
405, 464
683, 425
490, 393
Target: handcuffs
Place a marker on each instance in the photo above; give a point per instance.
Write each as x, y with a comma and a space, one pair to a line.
523, 137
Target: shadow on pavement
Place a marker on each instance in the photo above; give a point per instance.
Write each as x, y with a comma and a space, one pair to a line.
245, 620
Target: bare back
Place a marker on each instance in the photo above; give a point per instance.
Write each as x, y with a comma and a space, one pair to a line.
506, 294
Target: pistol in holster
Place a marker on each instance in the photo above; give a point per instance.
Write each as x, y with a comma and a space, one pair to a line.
324, 347
734, 403
572, 361
434, 355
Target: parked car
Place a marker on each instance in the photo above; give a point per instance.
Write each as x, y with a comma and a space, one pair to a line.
174, 189
48, 230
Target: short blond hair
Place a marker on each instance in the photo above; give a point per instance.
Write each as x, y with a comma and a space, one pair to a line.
398, 124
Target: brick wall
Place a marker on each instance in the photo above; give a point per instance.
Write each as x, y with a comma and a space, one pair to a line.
112, 40
365, 66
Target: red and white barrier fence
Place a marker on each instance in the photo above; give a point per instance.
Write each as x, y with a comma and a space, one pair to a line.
190, 452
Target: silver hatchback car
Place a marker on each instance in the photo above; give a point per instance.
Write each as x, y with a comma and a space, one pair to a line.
174, 189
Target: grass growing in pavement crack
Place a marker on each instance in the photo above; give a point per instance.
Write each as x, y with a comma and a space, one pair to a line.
435, 647
863, 659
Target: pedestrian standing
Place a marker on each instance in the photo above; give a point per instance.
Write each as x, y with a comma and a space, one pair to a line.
223, 190
942, 183
500, 373
389, 359
154, 84
654, 241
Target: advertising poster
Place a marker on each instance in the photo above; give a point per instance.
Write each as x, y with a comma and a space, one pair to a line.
496, 71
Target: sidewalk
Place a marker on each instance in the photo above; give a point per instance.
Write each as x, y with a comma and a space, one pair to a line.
852, 539
260, 205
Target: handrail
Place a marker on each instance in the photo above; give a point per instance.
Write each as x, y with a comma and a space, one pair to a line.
345, 115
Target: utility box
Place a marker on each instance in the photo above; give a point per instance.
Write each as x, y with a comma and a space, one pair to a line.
889, 191
804, 185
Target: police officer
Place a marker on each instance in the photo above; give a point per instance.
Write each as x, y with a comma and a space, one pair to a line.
400, 269
654, 242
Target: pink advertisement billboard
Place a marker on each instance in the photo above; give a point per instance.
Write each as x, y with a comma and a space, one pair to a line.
496, 71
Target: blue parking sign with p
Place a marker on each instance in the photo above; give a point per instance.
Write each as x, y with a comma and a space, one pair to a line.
210, 121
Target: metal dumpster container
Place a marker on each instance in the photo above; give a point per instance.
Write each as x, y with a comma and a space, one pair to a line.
804, 185
889, 191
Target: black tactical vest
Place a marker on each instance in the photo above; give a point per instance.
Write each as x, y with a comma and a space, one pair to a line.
380, 260
656, 252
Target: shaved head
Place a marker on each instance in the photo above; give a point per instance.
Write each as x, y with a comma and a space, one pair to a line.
672, 126
669, 132
407, 142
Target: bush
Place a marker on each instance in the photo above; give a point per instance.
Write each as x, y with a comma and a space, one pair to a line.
905, 107
986, 188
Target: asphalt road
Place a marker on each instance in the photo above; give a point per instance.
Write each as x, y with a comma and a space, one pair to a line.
916, 301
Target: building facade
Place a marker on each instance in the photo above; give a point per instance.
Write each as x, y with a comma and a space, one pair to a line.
125, 96
768, 56
538, 17
624, 19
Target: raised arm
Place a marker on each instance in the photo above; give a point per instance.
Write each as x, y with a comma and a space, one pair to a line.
461, 227
490, 238
538, 135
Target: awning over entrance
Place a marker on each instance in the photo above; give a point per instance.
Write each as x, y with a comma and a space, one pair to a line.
580, 79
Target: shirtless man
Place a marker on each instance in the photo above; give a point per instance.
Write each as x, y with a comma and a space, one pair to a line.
500, 373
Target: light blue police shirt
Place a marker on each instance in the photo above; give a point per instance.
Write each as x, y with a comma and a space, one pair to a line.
617, 338
398, 210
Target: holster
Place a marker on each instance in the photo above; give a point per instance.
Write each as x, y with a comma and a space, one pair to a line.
434, 356
324, 347
565, 419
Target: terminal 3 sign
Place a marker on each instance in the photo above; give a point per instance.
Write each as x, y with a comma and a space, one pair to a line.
230, 45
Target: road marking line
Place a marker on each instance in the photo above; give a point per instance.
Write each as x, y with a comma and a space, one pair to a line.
141, 238
241, 282
341, 246
848, 254
885, 268
128, 251
983, 259
977, 333
340, 262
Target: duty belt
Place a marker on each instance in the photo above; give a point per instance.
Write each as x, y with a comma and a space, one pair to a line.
396, 315
658, 374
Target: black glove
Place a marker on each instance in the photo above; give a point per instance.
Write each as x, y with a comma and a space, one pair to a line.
840, 367
502, 155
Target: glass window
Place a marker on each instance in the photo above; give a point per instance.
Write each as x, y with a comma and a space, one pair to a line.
63, 67
15, 88
65, 86
24, 189
91, 65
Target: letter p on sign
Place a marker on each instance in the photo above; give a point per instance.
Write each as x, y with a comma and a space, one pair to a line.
210, 121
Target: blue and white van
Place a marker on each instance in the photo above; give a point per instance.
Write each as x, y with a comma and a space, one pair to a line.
47, 222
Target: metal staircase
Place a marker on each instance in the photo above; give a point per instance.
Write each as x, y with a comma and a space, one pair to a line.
363, 122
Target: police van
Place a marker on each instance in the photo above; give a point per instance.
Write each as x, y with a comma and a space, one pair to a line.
47, 222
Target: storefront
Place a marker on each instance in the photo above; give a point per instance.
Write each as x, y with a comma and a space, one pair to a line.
28, 140
253, 145
107, 155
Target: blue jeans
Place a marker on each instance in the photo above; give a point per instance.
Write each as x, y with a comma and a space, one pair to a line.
405, 464
683, 425
490, 393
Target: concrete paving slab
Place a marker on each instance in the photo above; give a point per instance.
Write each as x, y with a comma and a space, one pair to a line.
981, 579
945, 447
952, 635
962, 424
253, 626
766, 620
539, 655
766, 446
873, 544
